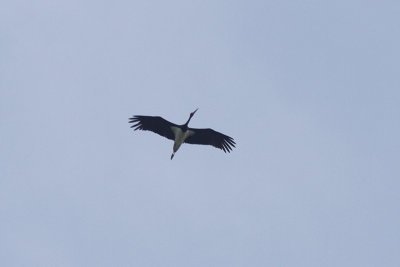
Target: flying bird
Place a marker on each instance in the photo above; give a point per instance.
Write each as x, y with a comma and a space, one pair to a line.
182, 133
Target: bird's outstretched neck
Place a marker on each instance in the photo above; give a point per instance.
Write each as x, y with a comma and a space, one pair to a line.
190, 116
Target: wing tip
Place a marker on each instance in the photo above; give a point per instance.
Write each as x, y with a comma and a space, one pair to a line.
137, 123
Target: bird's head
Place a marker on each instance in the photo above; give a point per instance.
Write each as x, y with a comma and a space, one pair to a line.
191, 114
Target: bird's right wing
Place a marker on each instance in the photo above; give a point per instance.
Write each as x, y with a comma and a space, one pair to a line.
157, 125
211, 137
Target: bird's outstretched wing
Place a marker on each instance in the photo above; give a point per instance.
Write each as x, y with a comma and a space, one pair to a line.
211, 137
157, 125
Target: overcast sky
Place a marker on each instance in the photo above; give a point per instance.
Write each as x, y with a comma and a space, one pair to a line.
309, 90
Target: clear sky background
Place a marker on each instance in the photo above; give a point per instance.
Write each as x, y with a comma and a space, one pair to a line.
310, 90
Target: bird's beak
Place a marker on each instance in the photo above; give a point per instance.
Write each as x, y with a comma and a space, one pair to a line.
194, 111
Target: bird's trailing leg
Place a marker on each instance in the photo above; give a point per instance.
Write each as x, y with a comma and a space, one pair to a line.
172, 155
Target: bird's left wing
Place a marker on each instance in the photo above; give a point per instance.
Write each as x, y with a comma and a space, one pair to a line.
211, 137
157, 125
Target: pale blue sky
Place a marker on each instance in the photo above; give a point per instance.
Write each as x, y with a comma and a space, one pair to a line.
308, 89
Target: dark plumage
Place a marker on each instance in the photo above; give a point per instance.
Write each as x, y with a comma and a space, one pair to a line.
157, 125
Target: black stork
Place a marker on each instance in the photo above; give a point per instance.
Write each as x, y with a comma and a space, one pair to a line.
182, 133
